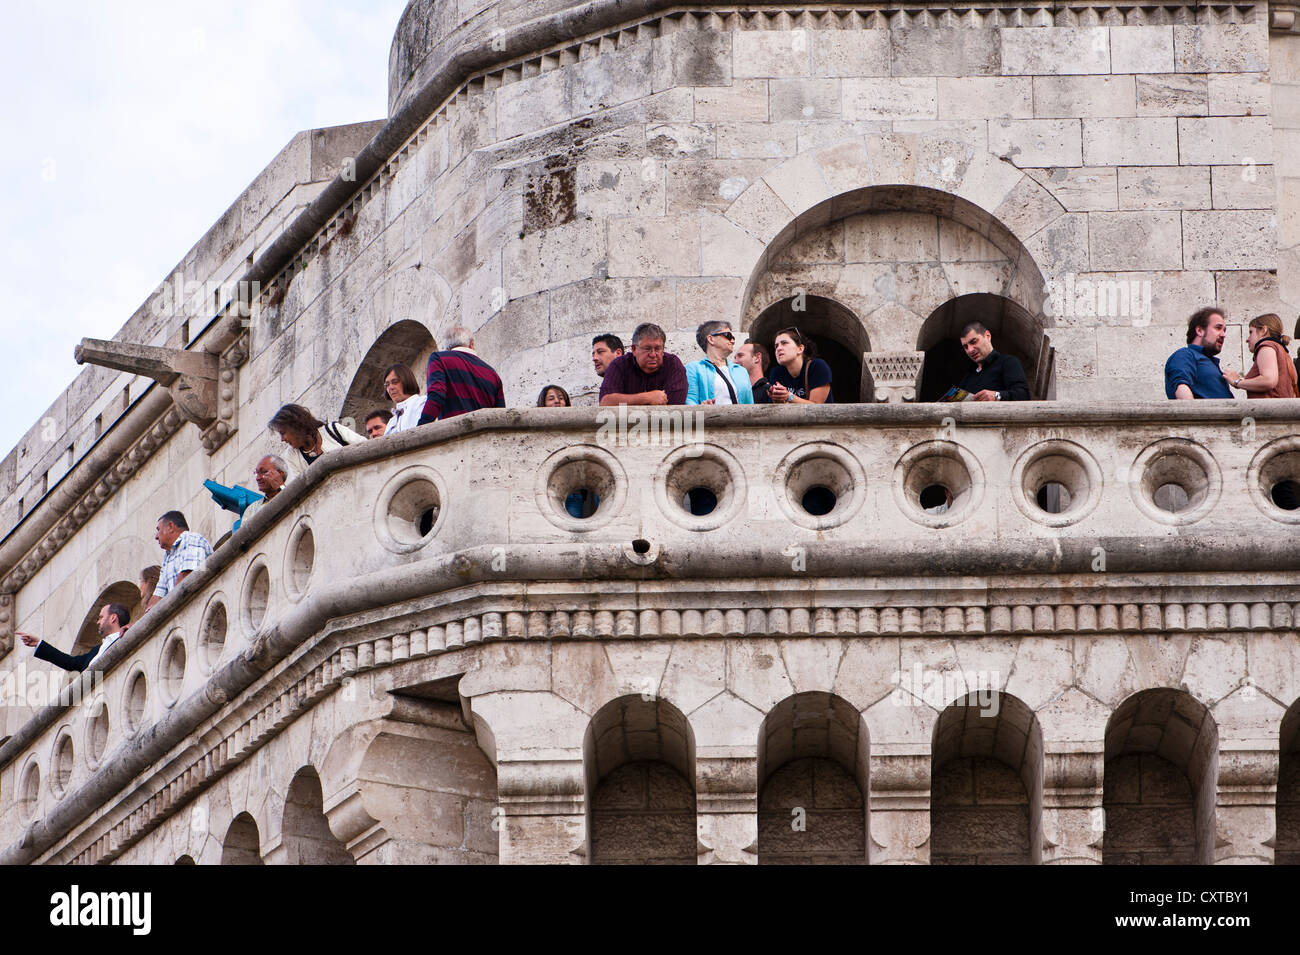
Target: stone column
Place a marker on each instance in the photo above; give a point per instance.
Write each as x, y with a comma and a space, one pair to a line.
542, 812
1246, 809
899, 812
1073, 819
896, 375
726, 809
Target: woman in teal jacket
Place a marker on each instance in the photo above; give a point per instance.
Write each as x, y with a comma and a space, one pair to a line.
704, 378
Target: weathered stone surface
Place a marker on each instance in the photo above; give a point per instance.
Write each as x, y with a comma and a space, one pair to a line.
1070, 96
1173, 94
1142, 49
743, 100
775, 53
804, 99
1221, 48
1239, 94
1243, 187
1131, 142
1081, 189
1125, 241
1230, 240
1225, 141
1056, 50
1164, 187
890, 98
1037, 142
850, 52
944, 52
983, 97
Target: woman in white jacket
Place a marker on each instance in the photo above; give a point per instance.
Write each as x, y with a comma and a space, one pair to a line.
404, 392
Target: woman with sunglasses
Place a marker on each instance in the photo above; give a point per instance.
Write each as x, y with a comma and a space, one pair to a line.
798, 376
715, 379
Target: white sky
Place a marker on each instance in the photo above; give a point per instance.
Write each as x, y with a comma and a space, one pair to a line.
129, 127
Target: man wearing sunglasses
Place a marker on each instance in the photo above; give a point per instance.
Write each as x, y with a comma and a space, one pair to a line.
715, 379
647, 376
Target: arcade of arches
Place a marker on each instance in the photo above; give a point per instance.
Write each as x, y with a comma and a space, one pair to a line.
894, 275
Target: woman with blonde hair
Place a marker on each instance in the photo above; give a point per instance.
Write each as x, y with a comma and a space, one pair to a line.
1272, 375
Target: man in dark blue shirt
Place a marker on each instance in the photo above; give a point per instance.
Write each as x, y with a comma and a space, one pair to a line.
1193, 371
996, 377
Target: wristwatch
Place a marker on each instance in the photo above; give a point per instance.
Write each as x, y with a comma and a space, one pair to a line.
789, 397
1237, 383
997, 396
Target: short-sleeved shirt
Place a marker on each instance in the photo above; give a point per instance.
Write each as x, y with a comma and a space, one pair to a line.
1190, 366
625, 377
819, 373
188, 553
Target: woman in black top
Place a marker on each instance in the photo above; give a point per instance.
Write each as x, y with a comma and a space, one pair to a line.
798, 376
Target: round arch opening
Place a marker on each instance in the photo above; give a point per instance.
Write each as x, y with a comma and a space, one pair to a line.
1015, 332
837, 333
408, 342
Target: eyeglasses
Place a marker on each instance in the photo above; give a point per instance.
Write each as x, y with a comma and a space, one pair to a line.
727, 335
649, 349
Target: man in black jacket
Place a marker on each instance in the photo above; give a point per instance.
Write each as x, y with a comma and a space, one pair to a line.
996, 377
112, 619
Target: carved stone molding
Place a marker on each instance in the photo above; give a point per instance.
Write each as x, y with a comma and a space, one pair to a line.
7, 623
1284, 18
897, 375
227, 394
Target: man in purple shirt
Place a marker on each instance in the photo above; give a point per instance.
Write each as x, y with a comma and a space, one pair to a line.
459, 381
647, 375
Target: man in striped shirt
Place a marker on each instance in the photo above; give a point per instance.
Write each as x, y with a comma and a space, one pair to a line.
458, 381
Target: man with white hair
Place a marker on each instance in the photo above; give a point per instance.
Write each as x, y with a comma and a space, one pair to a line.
270, 474
458, 381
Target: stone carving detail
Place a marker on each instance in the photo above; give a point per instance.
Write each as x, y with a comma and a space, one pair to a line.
1284, 17
897, 375
190, 376
6, 623
227, 394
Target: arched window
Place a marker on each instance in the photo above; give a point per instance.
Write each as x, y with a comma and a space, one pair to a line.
121, 592
1159, 790
1014, 332
839, 336
812, 774
639, 758
986, 783
242, 845
306, 832
1287, 848
407, 342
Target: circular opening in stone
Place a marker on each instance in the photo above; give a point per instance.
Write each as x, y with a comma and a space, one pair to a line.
577, 486
582, 503
700, 501
302, 558
212, 638
136, 698
939, 483
935, 499
413, 511
700, 485
1053, 497
61, 769
1171, 497
1175, 482
819, 482
97, 734
641, 546
31, 788
173, 667
256, 597
818, 500
1286, 494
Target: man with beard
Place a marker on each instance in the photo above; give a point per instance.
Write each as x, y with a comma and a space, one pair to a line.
1193, 371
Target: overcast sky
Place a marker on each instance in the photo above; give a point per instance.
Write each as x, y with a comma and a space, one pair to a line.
130, 126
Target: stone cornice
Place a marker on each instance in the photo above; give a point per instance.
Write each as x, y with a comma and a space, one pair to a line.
1284, 17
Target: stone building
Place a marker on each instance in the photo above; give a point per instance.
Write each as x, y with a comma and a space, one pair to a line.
1090, 656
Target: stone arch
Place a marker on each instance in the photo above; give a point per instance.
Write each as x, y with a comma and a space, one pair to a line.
782, 232
986, 783
185, 860
813, 765
120, 592
406, 341
1286, 850
639, 762
840, 337
304, 831
1015, 332
242, 845
1161, 774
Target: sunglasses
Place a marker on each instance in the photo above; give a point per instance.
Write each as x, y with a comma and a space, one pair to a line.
727, 335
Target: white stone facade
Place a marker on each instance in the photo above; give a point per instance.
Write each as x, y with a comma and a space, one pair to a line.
1100, 679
